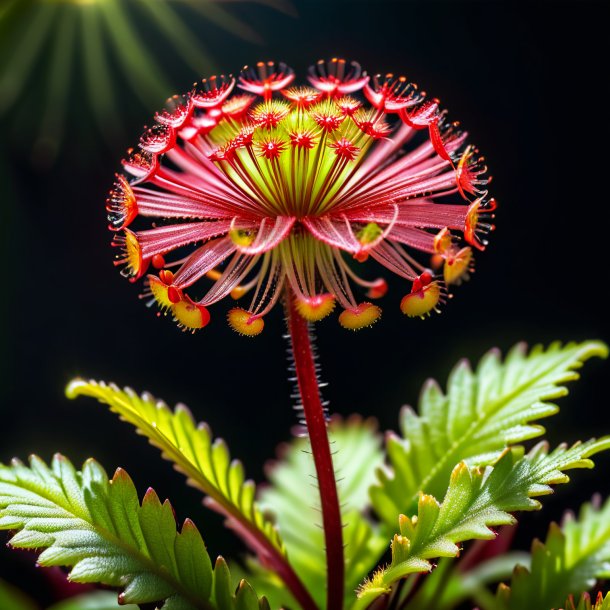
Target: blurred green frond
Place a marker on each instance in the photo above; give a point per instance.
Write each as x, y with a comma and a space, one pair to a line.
98, 528
448, 586
11, 597
569, 562
476, 500
481, 414
584, 603
206, 462
293, 498
96, 600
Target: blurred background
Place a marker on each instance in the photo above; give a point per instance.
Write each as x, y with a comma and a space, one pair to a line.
523, 78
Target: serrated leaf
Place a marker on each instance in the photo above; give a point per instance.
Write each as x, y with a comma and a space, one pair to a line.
98, 528
476, 500
226, 597
480, 414
570, 561
206, 462
293, 498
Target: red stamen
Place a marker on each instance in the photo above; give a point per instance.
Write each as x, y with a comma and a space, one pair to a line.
344, 149
271, 149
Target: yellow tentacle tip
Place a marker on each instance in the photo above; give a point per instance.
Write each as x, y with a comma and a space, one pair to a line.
244, 323
190, 315
424, 297
317, 307
361, 316
160, 292
458, 265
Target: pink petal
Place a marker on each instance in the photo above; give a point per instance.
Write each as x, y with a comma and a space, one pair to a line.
336, 233
269, 235
204, 259
233, 275
167, 205
169, 237
416, 238
421, 213
390, 258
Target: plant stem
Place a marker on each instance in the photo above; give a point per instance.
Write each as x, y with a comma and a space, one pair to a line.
309, 390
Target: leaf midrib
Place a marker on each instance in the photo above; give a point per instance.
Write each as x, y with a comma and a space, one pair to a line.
475, 426
194, 472
128, 549
536, 476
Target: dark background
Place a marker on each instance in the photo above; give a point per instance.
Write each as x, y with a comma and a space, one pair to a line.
527, 81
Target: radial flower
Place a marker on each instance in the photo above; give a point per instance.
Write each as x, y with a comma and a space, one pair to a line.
291, 188
52, 37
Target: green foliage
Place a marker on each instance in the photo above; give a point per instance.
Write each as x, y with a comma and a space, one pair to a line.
98, 528
480, 415
293, 498
476, 500
568, 563
97, 600
458, 472
450, 585
206, 462
13, 599
584, 603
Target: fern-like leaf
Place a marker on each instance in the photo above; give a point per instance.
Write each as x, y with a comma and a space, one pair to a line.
476, 500
98, 528
293, 498
569, 562
206, 462
481, 414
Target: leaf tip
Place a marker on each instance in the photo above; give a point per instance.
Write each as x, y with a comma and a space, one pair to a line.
74, 388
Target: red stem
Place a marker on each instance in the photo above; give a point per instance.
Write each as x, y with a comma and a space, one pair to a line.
307, 380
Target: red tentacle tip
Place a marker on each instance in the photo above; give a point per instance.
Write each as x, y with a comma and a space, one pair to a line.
213, 91
121, 204
477, 217
378, 289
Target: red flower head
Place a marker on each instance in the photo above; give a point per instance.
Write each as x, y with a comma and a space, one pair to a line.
290, 188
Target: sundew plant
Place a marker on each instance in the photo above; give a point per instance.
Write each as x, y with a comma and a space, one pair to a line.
273, 192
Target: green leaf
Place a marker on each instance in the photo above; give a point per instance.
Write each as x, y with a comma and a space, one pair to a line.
99, 529
293, 498
476, 500
480, 415
206, 462
569, 562
584, 603
227, 598
448, 586
13, 599
97, 600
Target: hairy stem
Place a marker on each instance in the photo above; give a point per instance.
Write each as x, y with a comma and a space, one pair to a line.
309, 390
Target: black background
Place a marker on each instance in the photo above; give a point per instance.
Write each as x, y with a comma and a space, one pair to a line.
526, 80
